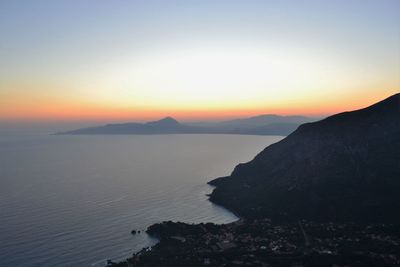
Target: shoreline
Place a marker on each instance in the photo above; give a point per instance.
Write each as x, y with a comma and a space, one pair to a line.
256, 241
306, 213
158, 239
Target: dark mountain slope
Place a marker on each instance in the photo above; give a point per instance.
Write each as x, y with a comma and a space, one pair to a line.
345, 167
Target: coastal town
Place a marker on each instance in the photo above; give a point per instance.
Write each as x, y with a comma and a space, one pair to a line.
260, 242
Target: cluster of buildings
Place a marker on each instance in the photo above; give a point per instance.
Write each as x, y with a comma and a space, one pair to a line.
263, 243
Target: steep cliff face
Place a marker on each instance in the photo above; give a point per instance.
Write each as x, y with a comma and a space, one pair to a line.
345, 167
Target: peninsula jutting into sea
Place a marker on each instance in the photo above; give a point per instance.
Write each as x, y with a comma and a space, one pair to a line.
267, 124
188, 133
326, 195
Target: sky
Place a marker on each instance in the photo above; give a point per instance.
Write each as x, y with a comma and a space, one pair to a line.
194, 59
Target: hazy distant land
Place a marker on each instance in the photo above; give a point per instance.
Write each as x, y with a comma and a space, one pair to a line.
259, 125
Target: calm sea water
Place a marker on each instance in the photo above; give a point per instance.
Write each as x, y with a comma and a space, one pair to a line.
73, 200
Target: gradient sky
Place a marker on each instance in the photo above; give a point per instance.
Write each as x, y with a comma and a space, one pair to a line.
126, 60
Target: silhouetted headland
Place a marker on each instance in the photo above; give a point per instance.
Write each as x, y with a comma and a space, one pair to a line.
345, 167
259, 125
326, 195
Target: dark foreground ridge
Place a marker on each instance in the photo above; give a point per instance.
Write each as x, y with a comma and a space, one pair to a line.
327, 195
345, 167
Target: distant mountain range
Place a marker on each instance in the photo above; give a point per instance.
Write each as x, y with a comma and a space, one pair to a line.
259, 125
343, 168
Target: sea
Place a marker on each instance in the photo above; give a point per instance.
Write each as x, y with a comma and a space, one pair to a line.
70, 200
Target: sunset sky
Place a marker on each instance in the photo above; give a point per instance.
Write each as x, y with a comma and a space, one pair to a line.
195, 59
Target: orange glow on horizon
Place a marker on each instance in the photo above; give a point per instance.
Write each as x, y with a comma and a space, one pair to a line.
151, 60
57, 110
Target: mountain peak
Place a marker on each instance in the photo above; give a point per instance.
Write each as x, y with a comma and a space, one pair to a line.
168, 118
167, 121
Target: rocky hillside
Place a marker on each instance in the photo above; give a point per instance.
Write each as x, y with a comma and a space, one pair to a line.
345, 167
